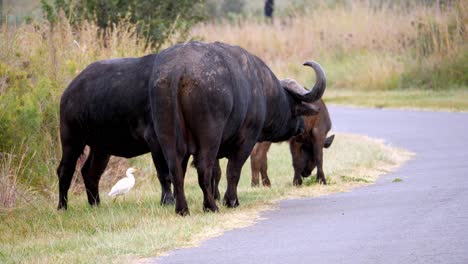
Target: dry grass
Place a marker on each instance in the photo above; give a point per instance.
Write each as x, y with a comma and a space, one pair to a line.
443, 100
360, 46
61, 52
8, 182
314, 34
37, 62
11, 190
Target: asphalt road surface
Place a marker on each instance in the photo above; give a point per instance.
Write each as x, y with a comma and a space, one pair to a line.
423, 219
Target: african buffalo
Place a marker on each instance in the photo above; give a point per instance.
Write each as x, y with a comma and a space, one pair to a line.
106, 107
215, 100
306, 149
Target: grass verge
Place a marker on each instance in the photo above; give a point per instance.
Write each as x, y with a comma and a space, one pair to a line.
138, 226
446, 100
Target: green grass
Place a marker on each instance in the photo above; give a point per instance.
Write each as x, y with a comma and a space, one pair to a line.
139, 227
353, 179
384, 80
447, 100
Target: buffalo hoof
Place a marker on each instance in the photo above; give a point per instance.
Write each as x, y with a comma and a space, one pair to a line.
168, 199
231, 203
62, 206
266, 182
297, 182
182, 212
94, 202
213, 208
321, 181
255, 184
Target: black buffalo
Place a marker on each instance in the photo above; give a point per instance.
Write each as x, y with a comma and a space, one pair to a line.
216, 100
107, 108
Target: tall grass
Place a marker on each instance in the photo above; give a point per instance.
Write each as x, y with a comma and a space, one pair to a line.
361, 46
12, 167
37, 61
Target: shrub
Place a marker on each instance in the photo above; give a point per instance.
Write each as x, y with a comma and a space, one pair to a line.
156, 20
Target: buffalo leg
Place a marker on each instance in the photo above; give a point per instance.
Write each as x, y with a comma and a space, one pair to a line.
176, 160
297, 160
66, 169
164, 178
177, 172
255, 177
318, 156
258, 163
263, 171
215, 181
162, 169
255, 159
91, 172
233, 174
206, 161
234, 168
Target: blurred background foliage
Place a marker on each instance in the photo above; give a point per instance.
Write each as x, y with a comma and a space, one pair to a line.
365, 46
155, 20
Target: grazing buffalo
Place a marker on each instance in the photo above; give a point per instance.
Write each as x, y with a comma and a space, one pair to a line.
106, 107
306, 149
215, 100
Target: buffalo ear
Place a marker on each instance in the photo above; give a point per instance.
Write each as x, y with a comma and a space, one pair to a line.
328, 141
306, 109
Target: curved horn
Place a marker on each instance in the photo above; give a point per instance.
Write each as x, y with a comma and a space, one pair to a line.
320, 83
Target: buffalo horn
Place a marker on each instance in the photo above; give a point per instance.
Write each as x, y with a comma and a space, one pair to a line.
302, 93
320, 83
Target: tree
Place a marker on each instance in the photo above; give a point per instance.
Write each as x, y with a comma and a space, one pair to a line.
156, 20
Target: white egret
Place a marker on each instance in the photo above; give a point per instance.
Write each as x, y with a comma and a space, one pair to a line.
123, 185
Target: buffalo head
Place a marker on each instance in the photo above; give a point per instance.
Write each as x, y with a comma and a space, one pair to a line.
301, 102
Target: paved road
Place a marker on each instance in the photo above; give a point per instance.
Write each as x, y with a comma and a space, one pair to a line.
423, 219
